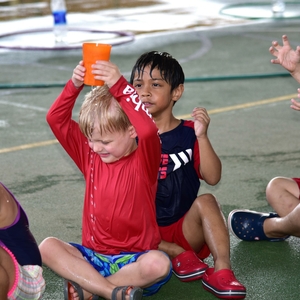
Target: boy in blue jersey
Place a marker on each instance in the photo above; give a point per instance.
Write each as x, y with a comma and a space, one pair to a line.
191, 226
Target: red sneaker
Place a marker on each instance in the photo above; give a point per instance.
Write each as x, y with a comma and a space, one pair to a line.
223, 284
188, 267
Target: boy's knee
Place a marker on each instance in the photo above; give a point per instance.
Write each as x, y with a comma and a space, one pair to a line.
46, 247
207, 200
165, 264
275, 187
273, 182
158, 264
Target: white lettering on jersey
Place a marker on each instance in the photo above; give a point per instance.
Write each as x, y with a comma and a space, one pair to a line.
134, 98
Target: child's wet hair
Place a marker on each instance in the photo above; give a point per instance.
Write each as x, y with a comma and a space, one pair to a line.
169, 67
100, 107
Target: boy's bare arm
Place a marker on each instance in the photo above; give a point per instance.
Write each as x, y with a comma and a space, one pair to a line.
286, 57
8, 208
210, 164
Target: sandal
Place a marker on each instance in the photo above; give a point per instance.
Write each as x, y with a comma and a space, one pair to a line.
77, 288
134, 293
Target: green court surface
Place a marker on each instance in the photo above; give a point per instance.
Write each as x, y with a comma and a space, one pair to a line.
252, 129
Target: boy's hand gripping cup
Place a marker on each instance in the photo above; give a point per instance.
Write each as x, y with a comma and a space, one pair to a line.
91, 52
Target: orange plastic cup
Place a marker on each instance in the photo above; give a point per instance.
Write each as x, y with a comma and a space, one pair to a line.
91, 52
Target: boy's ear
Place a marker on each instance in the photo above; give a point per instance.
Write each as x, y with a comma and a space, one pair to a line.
132, 132
177, 93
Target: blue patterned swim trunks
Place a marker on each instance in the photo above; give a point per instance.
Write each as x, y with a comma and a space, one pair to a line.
107, 265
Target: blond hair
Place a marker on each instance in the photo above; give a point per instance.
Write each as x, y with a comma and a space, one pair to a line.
100, 106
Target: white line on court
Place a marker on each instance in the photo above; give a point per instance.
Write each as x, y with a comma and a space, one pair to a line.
23, 105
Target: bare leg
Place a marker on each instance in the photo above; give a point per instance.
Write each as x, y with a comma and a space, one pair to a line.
7, 274
68, 262
171, 249
147, 270
205, 223
281, 227
283, 195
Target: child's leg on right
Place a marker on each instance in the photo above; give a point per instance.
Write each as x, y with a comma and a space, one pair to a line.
283, 195
285, 226
7, 273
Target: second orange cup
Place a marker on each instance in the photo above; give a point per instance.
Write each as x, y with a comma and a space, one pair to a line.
91, 52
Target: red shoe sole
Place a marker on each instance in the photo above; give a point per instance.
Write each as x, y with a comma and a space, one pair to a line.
190, 277
229, 294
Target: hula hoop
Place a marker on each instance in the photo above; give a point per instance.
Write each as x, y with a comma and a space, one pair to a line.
254, 4
129, 35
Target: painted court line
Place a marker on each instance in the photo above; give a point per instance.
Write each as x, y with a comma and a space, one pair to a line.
210, 112
28, 146
245, 105
22, 105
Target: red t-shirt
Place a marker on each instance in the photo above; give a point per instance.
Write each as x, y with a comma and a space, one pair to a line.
119, 203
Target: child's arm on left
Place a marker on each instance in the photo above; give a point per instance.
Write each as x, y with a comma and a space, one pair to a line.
210, 165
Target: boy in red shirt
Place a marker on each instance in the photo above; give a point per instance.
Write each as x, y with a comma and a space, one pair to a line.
118, 256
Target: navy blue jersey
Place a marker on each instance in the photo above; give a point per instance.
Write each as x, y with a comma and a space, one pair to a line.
178, 177
19, 240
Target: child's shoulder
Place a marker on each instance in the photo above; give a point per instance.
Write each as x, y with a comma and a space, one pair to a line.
185, 127
188, 123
